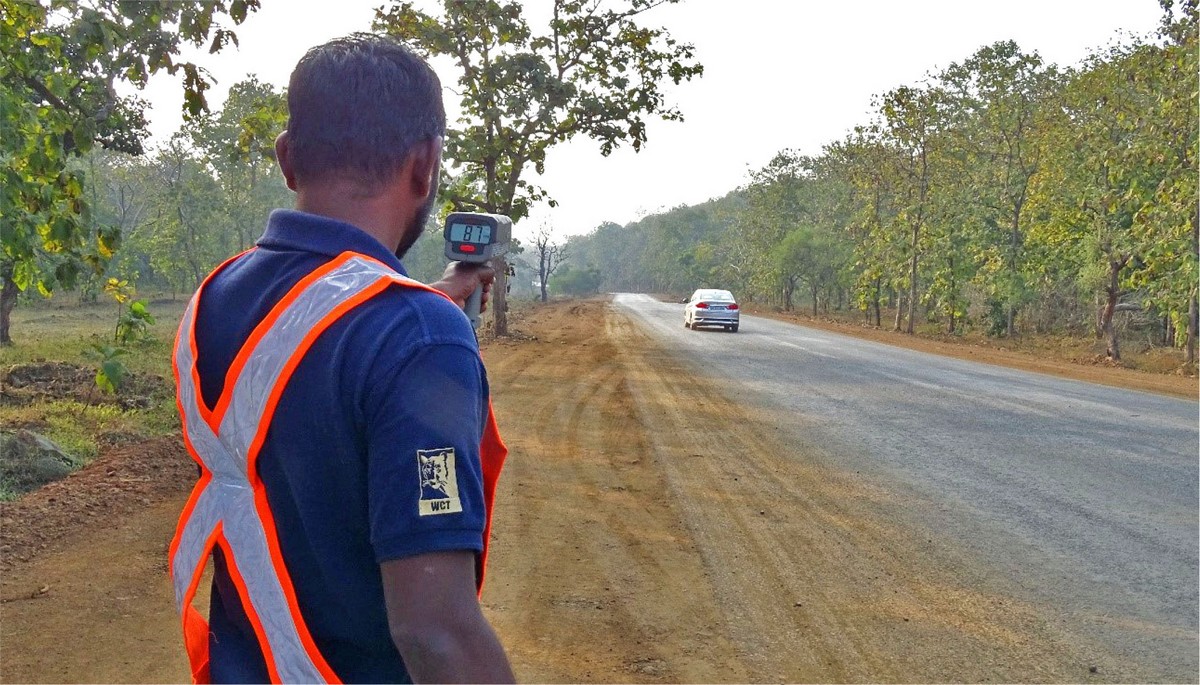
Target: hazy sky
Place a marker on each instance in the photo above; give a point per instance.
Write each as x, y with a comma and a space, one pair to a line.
778, 74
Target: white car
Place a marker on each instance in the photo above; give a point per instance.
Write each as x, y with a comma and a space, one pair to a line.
708, 307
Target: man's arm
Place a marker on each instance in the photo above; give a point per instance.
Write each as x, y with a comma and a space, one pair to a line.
436, 621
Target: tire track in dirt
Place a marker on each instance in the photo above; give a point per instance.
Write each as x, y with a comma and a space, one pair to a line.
816, 582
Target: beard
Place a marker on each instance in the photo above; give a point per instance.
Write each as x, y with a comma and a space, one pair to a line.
417, 226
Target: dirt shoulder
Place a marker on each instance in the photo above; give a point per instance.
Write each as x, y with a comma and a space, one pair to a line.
1063, 358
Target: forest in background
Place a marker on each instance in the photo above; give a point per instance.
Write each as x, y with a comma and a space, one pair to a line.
1000, 194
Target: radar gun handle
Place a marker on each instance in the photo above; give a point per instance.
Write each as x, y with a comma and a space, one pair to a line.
472, 306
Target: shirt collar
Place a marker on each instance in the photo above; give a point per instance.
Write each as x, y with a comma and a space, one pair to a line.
289, 229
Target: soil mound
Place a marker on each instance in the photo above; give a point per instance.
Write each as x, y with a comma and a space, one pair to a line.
122, 480
23, 384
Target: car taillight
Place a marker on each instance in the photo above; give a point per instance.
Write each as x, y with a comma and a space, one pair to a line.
701, 305
732, 306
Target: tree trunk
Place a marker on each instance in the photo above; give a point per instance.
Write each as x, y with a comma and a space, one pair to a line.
1010, 315
500, 297
953, 297
899, 312
1113, 349
543, 276
8, 300
190, 249
542, 269
912, 282
878, 293
1113, 292
1191, 330
813, 289
1192, 301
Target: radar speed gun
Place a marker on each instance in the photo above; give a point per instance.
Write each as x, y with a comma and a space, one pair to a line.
476, 238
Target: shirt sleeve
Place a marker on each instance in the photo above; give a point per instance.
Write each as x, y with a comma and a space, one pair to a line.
424, 480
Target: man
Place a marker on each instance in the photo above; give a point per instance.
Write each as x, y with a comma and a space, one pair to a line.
339, 410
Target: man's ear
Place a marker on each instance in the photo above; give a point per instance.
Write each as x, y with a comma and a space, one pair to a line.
424, 163
283, 154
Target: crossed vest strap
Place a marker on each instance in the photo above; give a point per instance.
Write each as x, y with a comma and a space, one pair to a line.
228, 506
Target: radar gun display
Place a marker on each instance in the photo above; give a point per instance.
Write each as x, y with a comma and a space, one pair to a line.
476, 238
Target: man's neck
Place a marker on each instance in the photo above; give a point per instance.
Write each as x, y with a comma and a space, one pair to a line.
345, 202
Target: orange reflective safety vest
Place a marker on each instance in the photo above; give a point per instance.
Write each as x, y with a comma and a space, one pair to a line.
228, 507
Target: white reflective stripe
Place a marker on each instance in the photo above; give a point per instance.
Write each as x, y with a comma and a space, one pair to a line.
228, 498
201, 436
257, 379
200, 524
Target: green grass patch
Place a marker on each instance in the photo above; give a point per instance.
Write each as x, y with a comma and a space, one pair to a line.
82, 429
49, 331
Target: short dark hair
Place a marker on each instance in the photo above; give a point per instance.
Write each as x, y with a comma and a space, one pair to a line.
357, 106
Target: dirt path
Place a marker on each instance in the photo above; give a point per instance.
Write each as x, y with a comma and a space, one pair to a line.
84, 596
647, 531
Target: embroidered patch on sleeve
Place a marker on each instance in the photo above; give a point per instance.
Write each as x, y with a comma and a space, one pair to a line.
439, 482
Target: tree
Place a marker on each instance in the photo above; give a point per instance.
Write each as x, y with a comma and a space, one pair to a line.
1169, 226
595, 72
123, 189
239, 144
1101, 185
578, 282
59, 61
913, 125
805, 256
550, 257
999, 94
615, 251
190, 235
859, 161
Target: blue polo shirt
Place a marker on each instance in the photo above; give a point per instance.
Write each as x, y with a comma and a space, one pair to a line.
384, 392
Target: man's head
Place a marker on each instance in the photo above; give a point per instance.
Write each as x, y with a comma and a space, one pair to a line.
365, 112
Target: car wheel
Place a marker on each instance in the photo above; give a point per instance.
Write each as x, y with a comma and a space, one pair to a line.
733, 328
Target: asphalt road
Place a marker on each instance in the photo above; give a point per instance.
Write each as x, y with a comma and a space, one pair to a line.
1080, 498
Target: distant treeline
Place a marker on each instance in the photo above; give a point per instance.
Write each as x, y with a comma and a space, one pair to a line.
1003, 194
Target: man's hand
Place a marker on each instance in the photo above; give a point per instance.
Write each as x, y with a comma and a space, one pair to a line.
460, 280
